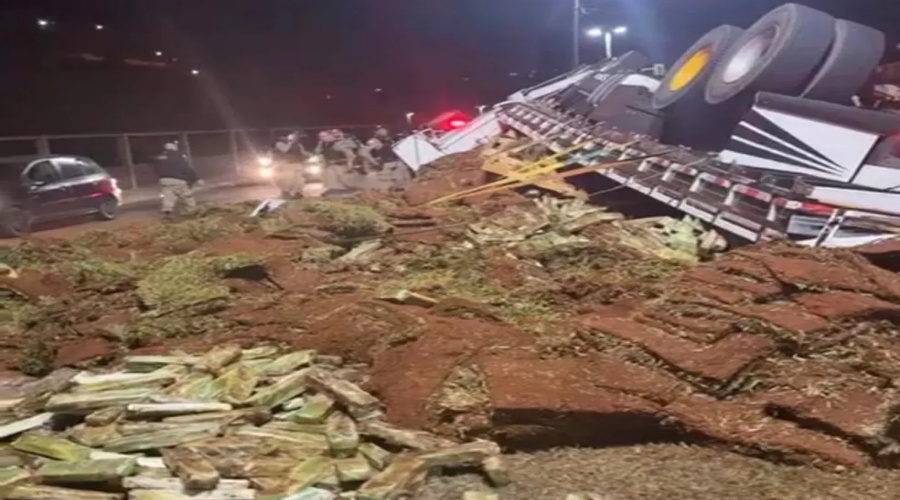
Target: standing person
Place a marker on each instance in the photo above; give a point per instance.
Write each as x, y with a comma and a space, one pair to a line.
290, 155
176, 180
339, 153
380, 148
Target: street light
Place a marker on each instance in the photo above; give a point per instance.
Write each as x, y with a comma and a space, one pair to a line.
43, 23
99, 27
607, 35
195, 72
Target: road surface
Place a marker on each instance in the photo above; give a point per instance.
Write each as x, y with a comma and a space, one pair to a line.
146, 211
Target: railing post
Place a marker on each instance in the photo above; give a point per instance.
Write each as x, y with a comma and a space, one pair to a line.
186, 147
43, 145
233, 146
127, 159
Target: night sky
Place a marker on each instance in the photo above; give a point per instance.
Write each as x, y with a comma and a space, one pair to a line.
276, 62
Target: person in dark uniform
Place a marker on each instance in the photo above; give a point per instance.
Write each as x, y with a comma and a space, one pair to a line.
338, 152
379, 149
176, 180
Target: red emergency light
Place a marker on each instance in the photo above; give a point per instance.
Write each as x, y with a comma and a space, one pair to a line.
449, 121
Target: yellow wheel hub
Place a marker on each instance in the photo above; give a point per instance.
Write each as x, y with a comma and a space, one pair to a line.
690, 69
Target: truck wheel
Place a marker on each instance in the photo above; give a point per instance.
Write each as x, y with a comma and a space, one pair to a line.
854, 55
686, 79
15, 222
779, 54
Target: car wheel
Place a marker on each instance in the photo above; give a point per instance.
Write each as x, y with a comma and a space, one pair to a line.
854, 55
16, 222
686, 80
108, 208
778, 54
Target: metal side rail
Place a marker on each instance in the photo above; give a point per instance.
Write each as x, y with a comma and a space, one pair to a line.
756, 209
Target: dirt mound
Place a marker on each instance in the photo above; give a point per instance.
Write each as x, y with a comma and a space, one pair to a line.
446, 175
533, 322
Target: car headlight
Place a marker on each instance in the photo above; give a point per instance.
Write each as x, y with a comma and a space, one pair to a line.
314, 169
266, 172
264, 161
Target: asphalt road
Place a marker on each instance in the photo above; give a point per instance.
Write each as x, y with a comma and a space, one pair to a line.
147, 211
220, 195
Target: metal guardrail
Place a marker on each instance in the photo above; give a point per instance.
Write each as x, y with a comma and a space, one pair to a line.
213, 153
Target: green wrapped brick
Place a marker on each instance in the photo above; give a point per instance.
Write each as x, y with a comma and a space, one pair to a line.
354, 470
342, 435
239, 384
217, 359
315, 411
377, 456
87, 403
284, 390
405, 473
262, 352
289, 363
161, 439
52, 447
308, 473
11, 477
86, 471
55, 493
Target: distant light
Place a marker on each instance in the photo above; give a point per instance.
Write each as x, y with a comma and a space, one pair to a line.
620, 30
99, 27
328, 97
595, 32
43, 23
466, 79
159, 53
195, 72
378, 90
513, 74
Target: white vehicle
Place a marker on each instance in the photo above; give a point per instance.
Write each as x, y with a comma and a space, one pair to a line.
754, 131
289, 175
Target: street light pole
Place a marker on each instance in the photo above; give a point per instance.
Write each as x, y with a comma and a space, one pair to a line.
576, 33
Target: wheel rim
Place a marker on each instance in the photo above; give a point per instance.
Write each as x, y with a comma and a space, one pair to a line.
108, 208
691, 68
746, 58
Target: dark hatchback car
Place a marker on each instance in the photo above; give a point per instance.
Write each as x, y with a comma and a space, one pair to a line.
39, 189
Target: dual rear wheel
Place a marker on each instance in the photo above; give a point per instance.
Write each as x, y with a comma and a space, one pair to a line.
793, 50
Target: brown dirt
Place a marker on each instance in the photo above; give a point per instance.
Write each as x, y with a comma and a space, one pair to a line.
720, 361
88, 350
35, 284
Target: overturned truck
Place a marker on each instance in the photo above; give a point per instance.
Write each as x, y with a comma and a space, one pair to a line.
768, 132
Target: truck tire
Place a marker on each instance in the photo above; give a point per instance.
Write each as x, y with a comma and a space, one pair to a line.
686, 80
778, 54
854, 55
